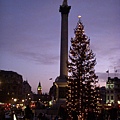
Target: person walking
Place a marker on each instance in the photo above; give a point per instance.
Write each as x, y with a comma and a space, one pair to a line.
113, 113
74, 115
2, 114
91, 114
62, 112
102, 115
28, 113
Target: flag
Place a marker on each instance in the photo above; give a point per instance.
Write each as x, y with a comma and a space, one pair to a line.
50, 79
107, 72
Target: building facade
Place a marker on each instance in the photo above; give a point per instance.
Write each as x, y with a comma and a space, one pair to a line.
12, 87
113, 90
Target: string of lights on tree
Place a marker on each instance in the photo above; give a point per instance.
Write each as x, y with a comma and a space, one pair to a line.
83, 92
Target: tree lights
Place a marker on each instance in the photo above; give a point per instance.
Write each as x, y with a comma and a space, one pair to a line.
82, 80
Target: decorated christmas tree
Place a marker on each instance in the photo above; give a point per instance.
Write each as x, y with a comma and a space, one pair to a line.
82, 80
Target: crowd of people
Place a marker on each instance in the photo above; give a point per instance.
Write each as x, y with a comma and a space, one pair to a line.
2, 114
112, 114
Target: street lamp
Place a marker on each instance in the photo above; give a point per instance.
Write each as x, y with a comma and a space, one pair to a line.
15, 100
118, 102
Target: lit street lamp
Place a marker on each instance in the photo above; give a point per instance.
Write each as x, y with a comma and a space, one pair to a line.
15, 100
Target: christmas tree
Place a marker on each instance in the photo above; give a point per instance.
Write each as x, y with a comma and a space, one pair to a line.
82, 80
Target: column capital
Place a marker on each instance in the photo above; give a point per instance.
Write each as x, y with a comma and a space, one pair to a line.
64, 9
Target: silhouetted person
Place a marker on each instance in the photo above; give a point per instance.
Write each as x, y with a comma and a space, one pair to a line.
113, 113
74, 115
62, 112
118, 112
102, 114
91, 114
2, 114
28, 113
56, 118
40, 116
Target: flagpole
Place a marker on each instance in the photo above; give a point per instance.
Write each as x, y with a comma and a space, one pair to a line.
107, 72
115, 72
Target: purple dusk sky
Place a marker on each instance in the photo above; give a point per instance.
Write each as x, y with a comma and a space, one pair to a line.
30, 37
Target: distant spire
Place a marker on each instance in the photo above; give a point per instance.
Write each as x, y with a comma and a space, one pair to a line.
64, 3
39, 89
39, 84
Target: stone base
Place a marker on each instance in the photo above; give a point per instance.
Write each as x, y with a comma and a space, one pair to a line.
61, 88
59, 102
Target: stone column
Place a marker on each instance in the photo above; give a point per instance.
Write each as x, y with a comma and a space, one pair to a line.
61, 81
64, 9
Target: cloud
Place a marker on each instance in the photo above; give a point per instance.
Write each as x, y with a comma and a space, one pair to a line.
42, 58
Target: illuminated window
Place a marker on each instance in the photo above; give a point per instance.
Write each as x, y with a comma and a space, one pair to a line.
107, 86
111, 86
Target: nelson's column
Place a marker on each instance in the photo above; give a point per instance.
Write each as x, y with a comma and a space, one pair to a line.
61, 81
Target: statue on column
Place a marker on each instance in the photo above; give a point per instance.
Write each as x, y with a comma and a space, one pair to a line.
64, 2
